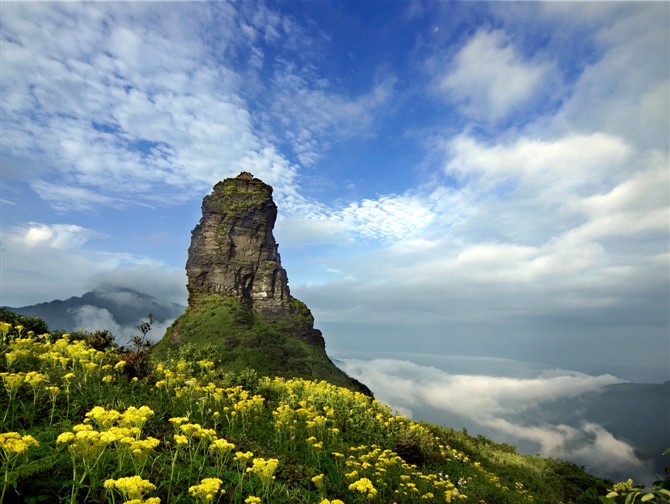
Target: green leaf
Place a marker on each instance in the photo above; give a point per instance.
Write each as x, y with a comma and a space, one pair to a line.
647, 497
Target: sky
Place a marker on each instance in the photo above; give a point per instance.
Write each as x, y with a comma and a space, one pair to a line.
452, 178
475, 188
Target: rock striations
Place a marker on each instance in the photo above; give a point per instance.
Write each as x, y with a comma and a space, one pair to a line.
233, 251
239, 300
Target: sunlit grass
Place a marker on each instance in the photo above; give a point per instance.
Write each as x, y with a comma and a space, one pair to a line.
79, 427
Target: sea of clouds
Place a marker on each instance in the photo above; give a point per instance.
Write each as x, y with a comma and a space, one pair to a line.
505, 408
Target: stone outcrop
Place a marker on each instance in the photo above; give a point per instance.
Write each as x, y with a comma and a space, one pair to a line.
240, 310
233, 251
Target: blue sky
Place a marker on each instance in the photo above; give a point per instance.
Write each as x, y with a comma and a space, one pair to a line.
472, 179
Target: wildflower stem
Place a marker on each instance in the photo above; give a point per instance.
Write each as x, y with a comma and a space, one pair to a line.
4, 485
174, 462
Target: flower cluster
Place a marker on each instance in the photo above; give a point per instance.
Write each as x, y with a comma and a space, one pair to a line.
133, 489
364, 486
206, 490
264, 469
12, 443
120, 428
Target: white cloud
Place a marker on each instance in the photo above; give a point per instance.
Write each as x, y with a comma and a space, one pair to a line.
477, 396
388, 218
611, 455
138, 105
93, 318
503, 407
489, 78
572, 164
637, 205
315, 116
625, 91
60, 257
58, 236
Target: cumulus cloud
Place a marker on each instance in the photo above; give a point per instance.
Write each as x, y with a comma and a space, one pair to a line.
387, 218
503, 408
58, 236
566, 164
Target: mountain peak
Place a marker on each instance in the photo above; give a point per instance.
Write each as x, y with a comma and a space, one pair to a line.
239, 301
233, 251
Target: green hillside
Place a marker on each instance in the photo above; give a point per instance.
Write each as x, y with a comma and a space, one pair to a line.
80, 426
235, 338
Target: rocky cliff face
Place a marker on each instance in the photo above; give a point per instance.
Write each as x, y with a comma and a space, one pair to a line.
233, 251
239, 305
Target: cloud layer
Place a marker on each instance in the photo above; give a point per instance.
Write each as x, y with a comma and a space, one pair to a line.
503, 408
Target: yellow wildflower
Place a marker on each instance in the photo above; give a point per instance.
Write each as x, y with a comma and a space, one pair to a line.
13, 442
221, 446
264, 469
104, 418
12, 381
141, 447
135, 417
364, 486
623, 486
243, 457
132, 487
206, 490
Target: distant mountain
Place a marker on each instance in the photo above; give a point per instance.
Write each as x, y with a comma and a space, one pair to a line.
116, 309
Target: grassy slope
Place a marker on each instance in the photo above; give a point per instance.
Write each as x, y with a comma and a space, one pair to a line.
222, 329
274, 418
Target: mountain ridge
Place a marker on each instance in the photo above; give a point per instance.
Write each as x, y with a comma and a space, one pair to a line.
126, 307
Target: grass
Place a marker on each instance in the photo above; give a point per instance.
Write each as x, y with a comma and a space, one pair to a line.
224, 330
190, 431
